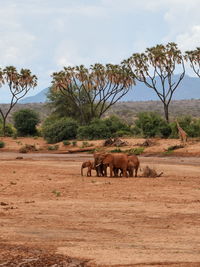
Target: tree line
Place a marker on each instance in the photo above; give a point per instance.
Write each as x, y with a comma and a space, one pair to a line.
87, 93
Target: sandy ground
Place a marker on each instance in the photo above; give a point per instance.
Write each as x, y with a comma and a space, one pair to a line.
52, 216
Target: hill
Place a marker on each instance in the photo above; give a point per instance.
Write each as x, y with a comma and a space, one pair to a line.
126, 110
189, 88
41, 108
38, 98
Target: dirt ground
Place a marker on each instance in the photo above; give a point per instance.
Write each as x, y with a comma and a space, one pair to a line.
52, 216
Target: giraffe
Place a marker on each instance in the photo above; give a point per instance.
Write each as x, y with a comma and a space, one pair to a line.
182, 134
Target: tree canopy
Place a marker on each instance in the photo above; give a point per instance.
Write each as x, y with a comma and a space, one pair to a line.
18, 83
156, 68
194, 58
93, 90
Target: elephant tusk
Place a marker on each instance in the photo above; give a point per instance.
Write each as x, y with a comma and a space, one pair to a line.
98, 165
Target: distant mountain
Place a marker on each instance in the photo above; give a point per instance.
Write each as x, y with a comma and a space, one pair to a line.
41, 97
189, 88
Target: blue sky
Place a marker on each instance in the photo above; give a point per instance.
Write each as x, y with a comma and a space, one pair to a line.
45, 35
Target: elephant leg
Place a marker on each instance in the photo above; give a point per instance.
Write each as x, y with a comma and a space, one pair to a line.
116, 171
89, 173
104, 170
124, 172
136, 170
111, 170
130, 171
98, 171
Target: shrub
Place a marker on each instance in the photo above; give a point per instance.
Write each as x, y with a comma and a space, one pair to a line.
116, 150
115, 124
96, 130
66, 143
102, 128
56, 193
25, 121
150, 124
86, 144
27, 148
135, 151
74, 143
168, 152
122, 133
2, 144
59, 129
14, 136
9, 130
55, 147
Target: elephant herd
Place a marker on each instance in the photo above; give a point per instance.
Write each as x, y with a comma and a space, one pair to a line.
120, 164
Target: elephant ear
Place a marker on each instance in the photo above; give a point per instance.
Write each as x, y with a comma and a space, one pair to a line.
107, 158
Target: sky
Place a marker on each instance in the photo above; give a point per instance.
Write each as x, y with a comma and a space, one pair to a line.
45, 35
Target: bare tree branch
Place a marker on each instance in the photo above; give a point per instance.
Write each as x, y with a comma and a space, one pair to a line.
156, 67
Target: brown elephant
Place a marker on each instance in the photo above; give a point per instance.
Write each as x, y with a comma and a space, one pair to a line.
100, 168
88, 164
133, 164
116, 160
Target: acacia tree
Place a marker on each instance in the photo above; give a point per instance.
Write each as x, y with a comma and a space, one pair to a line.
93, 90
19, 83
62, 105
156, 67
194, 58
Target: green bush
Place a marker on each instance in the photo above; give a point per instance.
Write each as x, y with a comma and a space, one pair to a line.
54, 147
74, 143
122, 133
27, 148
150, 124
2, 144
25, 121
102, 128
66, 143
116, 150
135, 151
9, 131
86, 144
56, 130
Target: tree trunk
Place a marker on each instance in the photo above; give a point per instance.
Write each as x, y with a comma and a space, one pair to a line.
166, 111
4, 127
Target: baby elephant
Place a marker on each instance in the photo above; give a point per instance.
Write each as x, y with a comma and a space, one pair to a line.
88, 164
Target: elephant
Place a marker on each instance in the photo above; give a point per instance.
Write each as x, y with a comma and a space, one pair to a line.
100, 168
133, 164
117, 160
88, 164
130, 169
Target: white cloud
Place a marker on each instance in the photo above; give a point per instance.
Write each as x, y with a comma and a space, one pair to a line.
46, 35
17, 48
16, 43
190, 39
183, 20
68, 53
